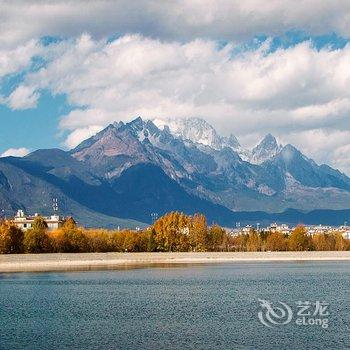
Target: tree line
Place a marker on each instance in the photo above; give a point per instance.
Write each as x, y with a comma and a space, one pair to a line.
173, 232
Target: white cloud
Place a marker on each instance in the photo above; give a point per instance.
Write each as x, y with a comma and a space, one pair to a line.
18, 58
299, 93
136, 75
326, 146
23, 97
15, 152
174, 20
81, 134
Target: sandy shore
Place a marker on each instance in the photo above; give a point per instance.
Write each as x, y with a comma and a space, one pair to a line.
105, 261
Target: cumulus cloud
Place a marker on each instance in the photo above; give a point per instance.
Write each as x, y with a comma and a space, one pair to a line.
170, 20
15, 152
299, 93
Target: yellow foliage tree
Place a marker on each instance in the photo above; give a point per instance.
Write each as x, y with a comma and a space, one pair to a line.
11, 238
198, 233
299, 240
171, 232
276, 241
36, 239
218, 240
254, 242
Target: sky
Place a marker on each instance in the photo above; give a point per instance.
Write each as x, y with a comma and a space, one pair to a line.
69, 68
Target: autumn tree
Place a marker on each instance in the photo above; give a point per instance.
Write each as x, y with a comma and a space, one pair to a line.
36, 239
299, 240
198, 233
239, 242
69, 238
254, 242
98, 241
340, 243
217, 239
151, 244
172, 231
134, 241
11, 238
323, 242
276, 241
39, 223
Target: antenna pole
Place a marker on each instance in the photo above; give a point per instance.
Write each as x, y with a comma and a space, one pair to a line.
55, 205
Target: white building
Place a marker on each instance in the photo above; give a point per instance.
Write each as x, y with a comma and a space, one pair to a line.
316, 229
247, 229
26, 222
283, 228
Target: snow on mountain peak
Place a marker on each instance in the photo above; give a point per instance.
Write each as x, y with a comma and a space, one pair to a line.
266, 149
198, 131
158, 132
193, 129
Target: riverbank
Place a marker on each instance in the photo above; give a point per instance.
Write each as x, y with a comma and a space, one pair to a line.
106, 261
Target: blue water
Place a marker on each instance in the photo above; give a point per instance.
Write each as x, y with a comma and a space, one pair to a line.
192, 307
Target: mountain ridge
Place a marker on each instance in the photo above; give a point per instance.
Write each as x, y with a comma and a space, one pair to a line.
263, 184
183, 171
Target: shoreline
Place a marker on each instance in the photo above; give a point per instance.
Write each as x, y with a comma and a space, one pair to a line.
55, 262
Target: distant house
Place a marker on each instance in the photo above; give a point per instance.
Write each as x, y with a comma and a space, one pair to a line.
283, 228
26, 222
247, 229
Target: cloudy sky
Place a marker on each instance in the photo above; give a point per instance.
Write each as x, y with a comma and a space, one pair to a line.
68, 68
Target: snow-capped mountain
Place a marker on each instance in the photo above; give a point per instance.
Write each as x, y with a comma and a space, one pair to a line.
129, 170
266, 149
193, 129
201, 132
191, 152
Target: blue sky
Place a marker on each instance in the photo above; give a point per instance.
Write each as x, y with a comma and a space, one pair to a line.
33, 128
65, 75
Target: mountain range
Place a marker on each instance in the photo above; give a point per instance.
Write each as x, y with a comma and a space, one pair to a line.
126, 172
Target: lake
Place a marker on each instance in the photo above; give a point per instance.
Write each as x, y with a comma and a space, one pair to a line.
213, 306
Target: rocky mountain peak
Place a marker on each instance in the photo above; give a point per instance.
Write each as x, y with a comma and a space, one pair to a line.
232, 141
266, 149
269, 141
200, 132
194, 157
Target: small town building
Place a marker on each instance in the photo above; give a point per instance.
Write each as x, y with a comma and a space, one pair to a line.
282, 228
26, 222
319, 229
247, 229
